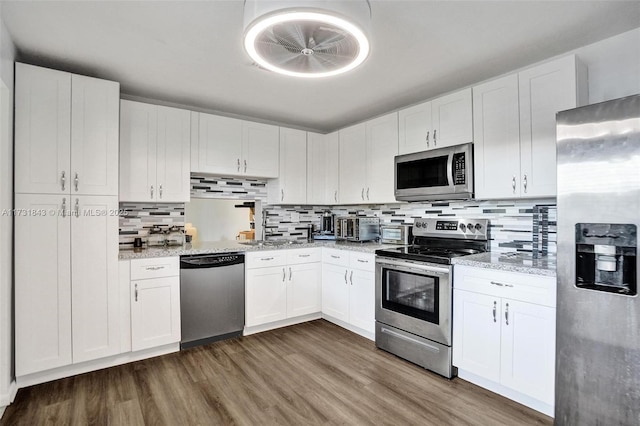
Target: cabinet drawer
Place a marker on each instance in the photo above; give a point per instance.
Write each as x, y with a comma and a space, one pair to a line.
157, 267
364, 261
264, 259
335, 257
530, 288
304, 256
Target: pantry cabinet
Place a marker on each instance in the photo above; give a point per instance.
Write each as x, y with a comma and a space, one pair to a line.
66, 133
282, 285
291, 185
504, 333
322, 168
366, 161
438, 123
154, 153
226, 146
515, 128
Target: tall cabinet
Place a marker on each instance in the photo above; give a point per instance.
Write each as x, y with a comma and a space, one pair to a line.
322, 168
66, 226
291, 185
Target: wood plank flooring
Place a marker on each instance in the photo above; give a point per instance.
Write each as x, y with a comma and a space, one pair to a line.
307, 374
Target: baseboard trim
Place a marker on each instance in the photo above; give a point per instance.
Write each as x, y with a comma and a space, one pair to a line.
98, 364
278, 324
8, 397
364, 333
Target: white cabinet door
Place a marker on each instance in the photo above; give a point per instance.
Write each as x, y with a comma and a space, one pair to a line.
496, 139
291, 185
304, 289
266, 295
353, 164
42, 130
155, 312
95, 295
322, 168
382, 146
476, 333
219, 145
452, 119
95, 113
260, 149
415, 129
544, 91
528, 349
335, 291
173, 177
362, 299
42, 284
138, 134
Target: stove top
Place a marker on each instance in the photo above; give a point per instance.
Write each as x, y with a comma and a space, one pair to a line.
428, 254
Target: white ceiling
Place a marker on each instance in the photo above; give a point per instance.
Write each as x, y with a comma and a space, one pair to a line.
190, 52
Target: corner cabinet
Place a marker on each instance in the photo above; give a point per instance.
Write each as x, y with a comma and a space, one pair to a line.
515, 128
291, 185
66, 133
504, 333
322, 168
366, 161
231, 147
441, 122
154, 153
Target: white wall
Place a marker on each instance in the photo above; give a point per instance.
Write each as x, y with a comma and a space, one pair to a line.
7, 55
216, 220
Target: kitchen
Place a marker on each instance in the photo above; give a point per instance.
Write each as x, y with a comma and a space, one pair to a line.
161, 146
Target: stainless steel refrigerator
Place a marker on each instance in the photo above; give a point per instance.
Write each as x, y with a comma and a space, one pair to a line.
598, 307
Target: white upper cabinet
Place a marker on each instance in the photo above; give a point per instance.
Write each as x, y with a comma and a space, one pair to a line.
366, 161
291, 185
322, 168
444, 121
66, 133
232, 147
154, 153
515, 128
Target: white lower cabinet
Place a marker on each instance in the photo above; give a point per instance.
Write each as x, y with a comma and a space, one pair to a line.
348, 290
504, 333
282, 285
155, 302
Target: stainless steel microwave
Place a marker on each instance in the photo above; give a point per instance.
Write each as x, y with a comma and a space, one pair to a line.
438, 174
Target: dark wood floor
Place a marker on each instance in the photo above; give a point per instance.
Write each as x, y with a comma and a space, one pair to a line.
312, 373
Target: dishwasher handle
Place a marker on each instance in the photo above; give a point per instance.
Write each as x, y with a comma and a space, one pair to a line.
207, 261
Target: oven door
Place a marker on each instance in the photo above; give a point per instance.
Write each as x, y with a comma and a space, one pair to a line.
414, 297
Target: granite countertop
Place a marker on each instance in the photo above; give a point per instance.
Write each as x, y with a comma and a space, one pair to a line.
514, 262
235, 246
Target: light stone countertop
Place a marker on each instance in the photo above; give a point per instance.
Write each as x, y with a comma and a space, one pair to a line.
235, 246
513, 262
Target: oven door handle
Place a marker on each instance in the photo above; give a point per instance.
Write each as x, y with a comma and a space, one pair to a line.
412, 266
409, 339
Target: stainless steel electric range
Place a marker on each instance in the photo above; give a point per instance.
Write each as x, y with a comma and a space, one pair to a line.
414, 290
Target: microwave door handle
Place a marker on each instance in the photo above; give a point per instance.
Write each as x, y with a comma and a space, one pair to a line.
450, 171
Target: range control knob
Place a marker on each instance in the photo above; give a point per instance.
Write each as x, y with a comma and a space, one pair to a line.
419, 224
462, 227
470, 227
478, 227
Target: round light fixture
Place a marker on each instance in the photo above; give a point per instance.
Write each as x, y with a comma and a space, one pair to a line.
306, 42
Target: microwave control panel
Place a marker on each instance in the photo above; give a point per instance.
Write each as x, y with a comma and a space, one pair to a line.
459, 168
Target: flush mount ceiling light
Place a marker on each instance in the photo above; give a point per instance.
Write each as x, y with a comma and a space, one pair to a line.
307, 38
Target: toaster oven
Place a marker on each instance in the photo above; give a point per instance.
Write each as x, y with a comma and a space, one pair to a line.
355, 228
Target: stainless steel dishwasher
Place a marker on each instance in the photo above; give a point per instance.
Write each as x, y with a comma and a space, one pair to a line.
211, 298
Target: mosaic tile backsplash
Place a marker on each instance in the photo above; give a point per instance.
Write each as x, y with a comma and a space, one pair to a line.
139, 218
229, 188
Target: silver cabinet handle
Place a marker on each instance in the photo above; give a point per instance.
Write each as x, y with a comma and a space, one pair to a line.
506, 314
345, 276
154, 268
282, 195
351, 278
362, 194
435, 141
238, 165
64, 207
524, 182
160, 191
284, 275
266, 258
136, 293
304, 255
367, 194
427, 138
335, 196
363, 261
335, 257
513, 184
152, 192
290, 273
245, 166
494, 310
501, 284
63, 180
76, 181
77, 207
